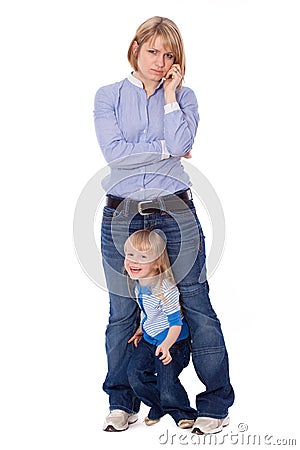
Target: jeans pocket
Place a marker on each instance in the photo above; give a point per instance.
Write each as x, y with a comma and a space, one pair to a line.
110, 214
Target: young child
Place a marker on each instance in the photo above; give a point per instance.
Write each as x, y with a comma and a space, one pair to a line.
162, 341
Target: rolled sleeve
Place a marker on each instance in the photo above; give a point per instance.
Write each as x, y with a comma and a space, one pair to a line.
165, 154
174, 319
170, 107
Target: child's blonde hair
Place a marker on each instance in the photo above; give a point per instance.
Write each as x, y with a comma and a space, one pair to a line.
145, 241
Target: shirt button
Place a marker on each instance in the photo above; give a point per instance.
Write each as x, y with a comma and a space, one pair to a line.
145, 131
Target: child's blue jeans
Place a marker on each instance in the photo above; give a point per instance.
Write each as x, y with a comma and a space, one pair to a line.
163, 392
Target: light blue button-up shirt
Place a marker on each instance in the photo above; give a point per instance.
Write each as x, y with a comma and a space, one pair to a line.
142, 139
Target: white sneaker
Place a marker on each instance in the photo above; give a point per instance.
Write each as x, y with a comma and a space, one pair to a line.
118, 420
209, 425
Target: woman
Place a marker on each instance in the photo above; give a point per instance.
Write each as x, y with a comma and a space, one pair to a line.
145, 124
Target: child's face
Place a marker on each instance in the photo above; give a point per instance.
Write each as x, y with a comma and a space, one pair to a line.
139, 265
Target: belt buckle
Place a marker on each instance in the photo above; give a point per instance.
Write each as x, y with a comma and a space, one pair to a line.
140, 209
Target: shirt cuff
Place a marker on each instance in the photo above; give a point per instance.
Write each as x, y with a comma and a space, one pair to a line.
164, 153
174, 319
170, 107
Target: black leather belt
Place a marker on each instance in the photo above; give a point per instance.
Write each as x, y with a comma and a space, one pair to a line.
174, 202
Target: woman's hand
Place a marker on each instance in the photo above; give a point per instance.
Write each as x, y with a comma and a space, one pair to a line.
136, 337
171, 83
187, 155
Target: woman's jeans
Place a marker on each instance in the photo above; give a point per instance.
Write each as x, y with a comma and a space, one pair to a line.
185, 245
163, 392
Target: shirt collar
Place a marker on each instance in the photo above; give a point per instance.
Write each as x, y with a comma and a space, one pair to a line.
136, 82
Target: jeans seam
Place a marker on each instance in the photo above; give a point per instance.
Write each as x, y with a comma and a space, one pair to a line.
123, 408
213, 416
208, 350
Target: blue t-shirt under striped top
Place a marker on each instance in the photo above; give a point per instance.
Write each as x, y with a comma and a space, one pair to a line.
159, 315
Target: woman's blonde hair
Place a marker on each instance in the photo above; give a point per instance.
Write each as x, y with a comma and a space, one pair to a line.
146, 241
167, 30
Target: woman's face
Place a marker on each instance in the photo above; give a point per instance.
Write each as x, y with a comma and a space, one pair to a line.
153, 60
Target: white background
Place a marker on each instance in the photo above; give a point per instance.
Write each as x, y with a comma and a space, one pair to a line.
243, 64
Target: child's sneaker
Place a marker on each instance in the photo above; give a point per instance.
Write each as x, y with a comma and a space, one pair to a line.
209, 425
150, 422
185, 423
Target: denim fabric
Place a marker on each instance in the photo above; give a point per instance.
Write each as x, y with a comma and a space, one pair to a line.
186, 248
163, 392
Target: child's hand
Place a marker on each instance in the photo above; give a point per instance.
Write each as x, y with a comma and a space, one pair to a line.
136, 337
165, 357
